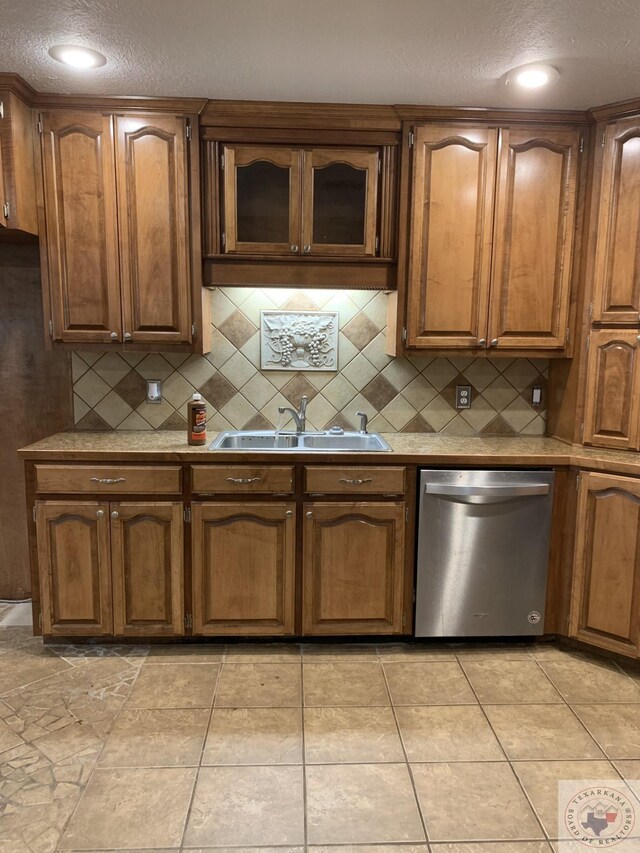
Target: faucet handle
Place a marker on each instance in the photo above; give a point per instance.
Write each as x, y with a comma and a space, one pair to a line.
364, 420
303, 404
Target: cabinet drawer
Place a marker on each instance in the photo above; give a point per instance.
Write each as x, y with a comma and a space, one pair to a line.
108, 479
228, 479
354, 480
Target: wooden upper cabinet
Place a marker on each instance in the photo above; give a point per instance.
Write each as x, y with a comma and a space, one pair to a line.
616, 296
243, 559
261, 199
73, 554
605, 608
612, 400
353, 568
534, 234
340, 201
81, 230
18, 207
148, 568
154, 228
450, 236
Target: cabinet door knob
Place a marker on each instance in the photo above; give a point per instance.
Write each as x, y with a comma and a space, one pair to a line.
306, 250
127, 336
494, 342
482, 342
100, 513
289, 513
638, 339
115, 514
114, 336
309, 514
294, 247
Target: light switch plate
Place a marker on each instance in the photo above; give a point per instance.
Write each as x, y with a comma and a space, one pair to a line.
154, 390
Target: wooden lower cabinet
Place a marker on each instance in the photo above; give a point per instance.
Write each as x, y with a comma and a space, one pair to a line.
75, 567
147, 548
353, 568
605, 606
243, 559
111, 568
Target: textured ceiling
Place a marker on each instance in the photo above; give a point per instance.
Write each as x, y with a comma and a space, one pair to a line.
370, 51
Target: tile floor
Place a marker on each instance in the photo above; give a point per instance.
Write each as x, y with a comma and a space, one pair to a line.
329, 749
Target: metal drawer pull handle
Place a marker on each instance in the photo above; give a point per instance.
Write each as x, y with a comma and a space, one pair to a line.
107, 481
355, 482
243, 481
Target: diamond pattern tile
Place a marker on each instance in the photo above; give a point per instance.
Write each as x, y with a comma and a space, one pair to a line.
412, 394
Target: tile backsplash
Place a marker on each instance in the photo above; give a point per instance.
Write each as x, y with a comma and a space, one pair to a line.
413, 394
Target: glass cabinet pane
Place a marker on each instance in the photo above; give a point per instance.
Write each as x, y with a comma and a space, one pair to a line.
339, 205
262, 200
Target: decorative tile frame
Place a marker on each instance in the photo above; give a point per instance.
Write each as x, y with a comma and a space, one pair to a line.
299, 340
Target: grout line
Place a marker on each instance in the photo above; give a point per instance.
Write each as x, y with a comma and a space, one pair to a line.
304, 762
406, 759
199, 766
507, 759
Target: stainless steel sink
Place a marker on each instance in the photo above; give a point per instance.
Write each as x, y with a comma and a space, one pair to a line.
315, 442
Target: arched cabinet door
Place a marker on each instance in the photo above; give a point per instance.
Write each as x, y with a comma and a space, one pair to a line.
612, 399
81, 270
605, 606
243, 561
147, 559
155, 229
340, 207
616, 292
75, 567
533, 241
262, 204
450, 236
353, 568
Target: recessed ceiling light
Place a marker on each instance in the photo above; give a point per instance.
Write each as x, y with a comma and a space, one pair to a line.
533, 76
77, 57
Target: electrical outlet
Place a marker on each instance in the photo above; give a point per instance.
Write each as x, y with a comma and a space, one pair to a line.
154, 390
536, 395
463, 396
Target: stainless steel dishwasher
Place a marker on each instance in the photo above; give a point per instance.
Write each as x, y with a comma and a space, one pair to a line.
483, 552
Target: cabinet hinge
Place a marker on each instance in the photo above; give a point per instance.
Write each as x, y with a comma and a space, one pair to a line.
39, 125
379, 166
188, 129
568, 334
187, 515
222, 162
577, 481
404, 333
406, 513
404, 619
40, 620
588, 342
377, 242
6, 210
51, 328
582, 430
603, 138
193, 330
34, 512
581, 149
411, 138
188, 621
591, 311
1, 109
224, 240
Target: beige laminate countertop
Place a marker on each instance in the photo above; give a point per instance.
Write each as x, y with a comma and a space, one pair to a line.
406, 448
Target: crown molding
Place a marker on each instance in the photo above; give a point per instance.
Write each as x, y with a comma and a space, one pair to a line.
619, 109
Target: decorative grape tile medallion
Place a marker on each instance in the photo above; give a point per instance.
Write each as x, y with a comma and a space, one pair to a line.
299, 340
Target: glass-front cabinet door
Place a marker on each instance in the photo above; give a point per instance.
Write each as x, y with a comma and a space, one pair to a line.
261, 199
340, 201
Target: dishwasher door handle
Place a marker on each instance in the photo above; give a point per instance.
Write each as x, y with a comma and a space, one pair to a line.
487, 491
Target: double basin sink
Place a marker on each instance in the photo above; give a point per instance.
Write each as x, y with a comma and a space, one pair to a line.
328, 442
